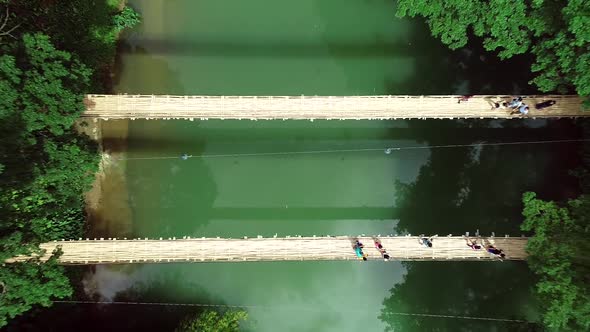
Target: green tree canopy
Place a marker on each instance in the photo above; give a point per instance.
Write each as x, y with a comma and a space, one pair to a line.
44, 85
557, 33
49, 51
24, 285
559, 256
213, 321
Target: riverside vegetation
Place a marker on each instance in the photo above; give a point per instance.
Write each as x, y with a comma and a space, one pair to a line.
556, 34
52, 54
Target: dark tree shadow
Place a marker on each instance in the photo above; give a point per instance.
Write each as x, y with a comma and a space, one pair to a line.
473, 289
159, 79
469, 188
468, 70
122, 317
477, 188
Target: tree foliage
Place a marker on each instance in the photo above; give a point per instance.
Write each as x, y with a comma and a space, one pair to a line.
559, 255
88, 29
557, 33
10, 77
127, 18
213, 321
51, 53
45, 85
47, 167
24, 285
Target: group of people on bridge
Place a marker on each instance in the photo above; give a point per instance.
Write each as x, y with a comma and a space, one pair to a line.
428, 242
489, 248
516, 105
358, 250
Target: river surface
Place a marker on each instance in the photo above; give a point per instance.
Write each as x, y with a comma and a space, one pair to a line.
249, 178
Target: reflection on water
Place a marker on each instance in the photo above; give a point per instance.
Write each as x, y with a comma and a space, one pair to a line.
474, 289
330, 296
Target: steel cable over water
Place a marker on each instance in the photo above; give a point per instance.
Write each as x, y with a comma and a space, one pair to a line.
506, 320
386, 150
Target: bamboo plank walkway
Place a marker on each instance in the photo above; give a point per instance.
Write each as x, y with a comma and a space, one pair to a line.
445, 248
317, 107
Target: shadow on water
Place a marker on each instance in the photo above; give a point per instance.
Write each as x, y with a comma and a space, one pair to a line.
470, 184
122, 317
135, 59
474, 289
465, 189
318, 214
468, 70
284, 49
341, 134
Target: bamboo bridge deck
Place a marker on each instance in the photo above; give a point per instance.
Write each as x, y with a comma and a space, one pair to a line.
318, 107
445, 248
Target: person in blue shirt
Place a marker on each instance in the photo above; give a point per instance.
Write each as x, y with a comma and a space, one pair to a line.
359, 251
515, 103
425, 241
522, 110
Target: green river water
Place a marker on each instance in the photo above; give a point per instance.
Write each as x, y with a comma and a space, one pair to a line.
320, 47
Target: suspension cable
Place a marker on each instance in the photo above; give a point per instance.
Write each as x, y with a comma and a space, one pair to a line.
387, 150
268, 307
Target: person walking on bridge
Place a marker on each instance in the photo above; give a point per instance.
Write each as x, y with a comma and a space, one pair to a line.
426, 241
516, 103
381, 250
473, 244
359, 253
523, 109
358, 243
495, 251
358, 250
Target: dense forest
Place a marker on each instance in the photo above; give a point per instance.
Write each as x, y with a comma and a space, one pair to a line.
52, 53
555, 33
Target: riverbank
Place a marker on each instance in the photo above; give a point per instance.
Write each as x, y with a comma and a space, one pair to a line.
107, 202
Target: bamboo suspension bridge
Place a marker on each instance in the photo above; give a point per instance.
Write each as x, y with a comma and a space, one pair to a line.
327, 248
320, 107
